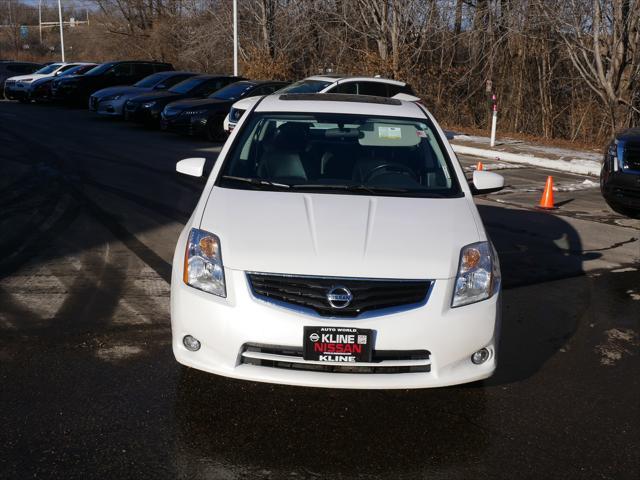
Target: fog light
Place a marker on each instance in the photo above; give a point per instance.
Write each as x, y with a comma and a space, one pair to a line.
477, 358
192, 344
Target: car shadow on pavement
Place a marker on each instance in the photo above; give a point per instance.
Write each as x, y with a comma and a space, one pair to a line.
535, 249
245, 428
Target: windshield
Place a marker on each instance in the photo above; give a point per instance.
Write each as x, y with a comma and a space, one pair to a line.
74, 70
150, 81
100, 69
305, 86
49, 69
80, 70
349, 154
187, 85
233, 91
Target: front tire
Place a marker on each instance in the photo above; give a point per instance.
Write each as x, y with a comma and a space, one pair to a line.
215, 131
623, 210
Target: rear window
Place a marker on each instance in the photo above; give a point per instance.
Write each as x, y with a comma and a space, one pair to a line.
305, 86
348, 154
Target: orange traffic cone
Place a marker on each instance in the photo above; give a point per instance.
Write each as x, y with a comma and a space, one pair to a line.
479, 166
546, 201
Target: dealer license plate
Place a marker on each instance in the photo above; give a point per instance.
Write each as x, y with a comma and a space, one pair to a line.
337, 344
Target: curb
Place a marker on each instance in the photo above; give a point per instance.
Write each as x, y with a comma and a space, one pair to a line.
581, 167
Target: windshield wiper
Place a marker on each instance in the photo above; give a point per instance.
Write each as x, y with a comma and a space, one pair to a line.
256, 181
371, 190
351, 188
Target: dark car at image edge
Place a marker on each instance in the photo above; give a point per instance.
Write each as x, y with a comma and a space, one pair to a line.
620, 175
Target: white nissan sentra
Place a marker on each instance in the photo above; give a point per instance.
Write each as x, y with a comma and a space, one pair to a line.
336, 244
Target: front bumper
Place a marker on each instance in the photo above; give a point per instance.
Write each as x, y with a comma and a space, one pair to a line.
184, 124
622, 187
224, 326
65, 92
14, 92
138, 113
111, 108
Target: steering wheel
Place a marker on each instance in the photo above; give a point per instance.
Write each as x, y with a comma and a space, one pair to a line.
392, 167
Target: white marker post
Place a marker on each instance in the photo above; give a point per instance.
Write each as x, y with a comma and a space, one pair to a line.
61, 30
494, 121
235, 38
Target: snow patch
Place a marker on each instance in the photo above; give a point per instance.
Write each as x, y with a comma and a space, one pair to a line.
634, 294
119, 352
620, 342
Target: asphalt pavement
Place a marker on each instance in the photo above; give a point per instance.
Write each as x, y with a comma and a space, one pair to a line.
90, 212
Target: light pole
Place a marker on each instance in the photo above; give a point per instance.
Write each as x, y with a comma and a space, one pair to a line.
235, 37
61, 30
40, 19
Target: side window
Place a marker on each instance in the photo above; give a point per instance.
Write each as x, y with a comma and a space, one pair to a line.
372, 88
347, 87
22, 68
142, 69
264, 90
120, 70
160, 67
207, 88
395, 89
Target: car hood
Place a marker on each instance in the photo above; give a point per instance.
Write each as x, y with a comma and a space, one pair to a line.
158, 96
33, 76
120, 90
203, 103
247, 102
340, 235
41, 81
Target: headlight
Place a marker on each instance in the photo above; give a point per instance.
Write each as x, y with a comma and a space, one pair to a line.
26, 80
235, 114
203, 267
148, 104
478, 274
111, 97
612, 155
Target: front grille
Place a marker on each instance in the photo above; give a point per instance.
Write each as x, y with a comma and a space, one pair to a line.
9, 83
627, 193
632, 156
382, 361
93, 103
311, 292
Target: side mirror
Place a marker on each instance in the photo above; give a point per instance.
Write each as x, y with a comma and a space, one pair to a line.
486, 182
191, 166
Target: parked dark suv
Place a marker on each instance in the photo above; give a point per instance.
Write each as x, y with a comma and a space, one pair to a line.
78, 89
620, 175
10, 68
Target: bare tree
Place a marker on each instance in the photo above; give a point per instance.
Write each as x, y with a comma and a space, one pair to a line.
602, 39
